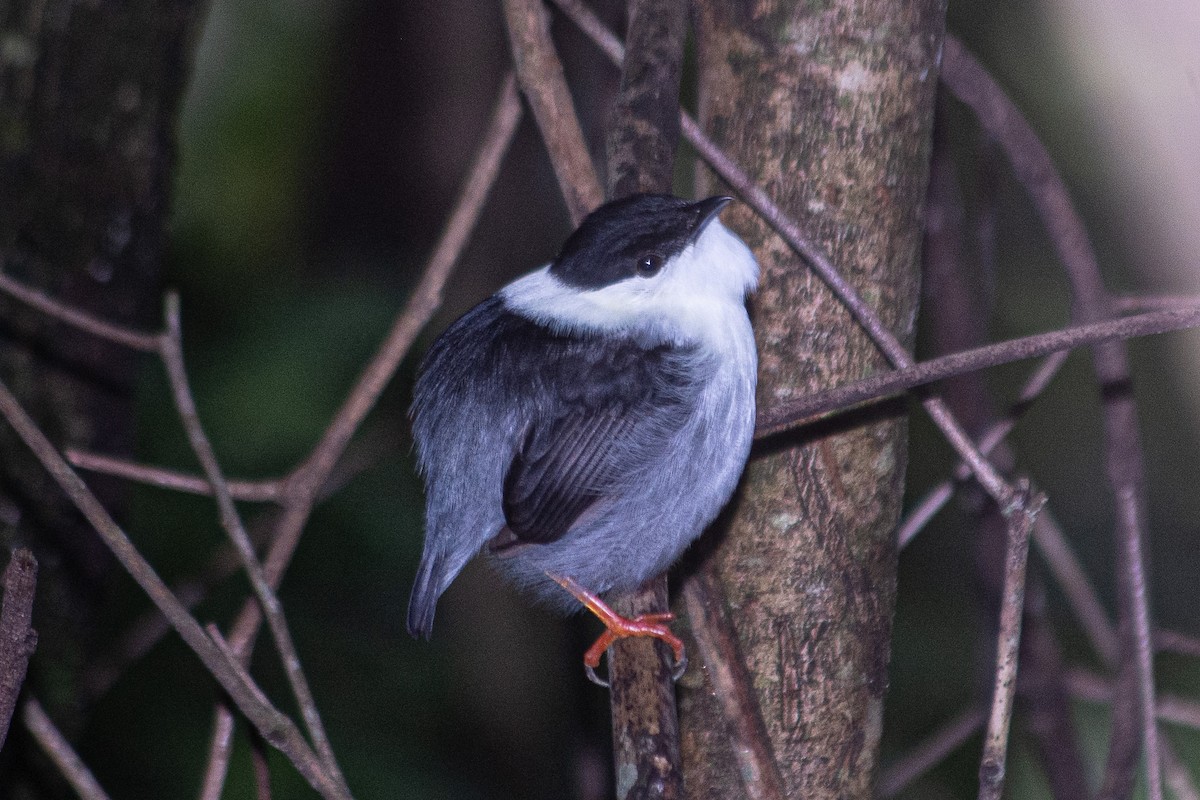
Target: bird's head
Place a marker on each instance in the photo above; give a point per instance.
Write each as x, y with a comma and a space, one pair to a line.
650, 265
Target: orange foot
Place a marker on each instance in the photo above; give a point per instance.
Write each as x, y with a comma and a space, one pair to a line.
619, 627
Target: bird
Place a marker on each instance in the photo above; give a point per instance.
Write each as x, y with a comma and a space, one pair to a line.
584, 424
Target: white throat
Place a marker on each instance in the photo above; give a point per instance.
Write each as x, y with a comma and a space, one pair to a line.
697, 298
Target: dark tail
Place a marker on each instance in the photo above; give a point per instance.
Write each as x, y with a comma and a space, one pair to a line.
427, 588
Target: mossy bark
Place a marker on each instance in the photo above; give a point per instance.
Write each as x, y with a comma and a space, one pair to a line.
830, 107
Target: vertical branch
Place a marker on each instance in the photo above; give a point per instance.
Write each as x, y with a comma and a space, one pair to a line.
644, 131
1008, 646
17, 638
641, 144
725, 670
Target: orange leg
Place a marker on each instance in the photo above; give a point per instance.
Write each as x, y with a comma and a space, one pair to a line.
619, 627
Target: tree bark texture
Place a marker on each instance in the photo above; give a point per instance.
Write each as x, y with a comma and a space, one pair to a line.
642, 138
830, 107
88, 100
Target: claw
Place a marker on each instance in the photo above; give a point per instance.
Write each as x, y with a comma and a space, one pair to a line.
619, 627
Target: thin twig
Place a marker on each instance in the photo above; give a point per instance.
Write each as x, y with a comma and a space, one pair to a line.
18, 639
231, 522
1176, 774
957, 317
1068, 572
425, 300
1132, 304
930, 752
1020, 518
140, 637
1171, 708
542, 81
262, 768
263, 491
1168, 641
757, 198
276, 728
145, 632
806, 409
134, 339
1084, 601
220, 751
59, 750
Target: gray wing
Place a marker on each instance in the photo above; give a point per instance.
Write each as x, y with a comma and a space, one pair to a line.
594, 452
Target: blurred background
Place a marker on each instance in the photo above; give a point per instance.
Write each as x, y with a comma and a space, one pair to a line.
321, 147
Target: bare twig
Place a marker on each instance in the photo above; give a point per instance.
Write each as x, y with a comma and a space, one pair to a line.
1020, 519
422, 304
806, 409
542, 81
1171, 708
1085, 603
276, 728
267, 491
220, 751
262, 768
1081, 596
1176, 774
1132, 304
1031, 162
18, 639
136, 340
930, 752
56, 746
1168, 641
595, 29
231, 521
731, 682
150, 627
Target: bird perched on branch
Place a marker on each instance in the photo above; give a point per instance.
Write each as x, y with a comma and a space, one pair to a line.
584, 424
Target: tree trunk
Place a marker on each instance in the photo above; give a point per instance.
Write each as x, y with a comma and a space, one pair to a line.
89, 94
830, 108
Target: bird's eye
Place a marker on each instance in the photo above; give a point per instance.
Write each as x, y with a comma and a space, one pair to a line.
649, 264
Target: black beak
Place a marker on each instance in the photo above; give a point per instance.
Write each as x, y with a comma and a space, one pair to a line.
706, 211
